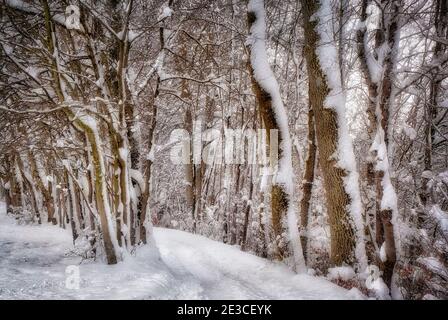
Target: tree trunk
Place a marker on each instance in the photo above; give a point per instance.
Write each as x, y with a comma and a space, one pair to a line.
379, 109
328, 133
147, 176
247, 211
70, 208
307, 182
101, 200
275, 120
190, 190
46, 190
31, 188
431, 108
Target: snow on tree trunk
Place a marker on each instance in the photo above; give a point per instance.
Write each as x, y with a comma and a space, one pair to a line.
102, 199
379, 73
274, 117
382, 145
336, 155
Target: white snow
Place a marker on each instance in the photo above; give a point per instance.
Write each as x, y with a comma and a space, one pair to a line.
21, 5
166, 12
441, 217
383, 255
409, 132
343, 273
380, 288
150, 155
33, 263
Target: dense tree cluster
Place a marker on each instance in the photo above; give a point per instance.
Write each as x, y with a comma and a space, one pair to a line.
92, 93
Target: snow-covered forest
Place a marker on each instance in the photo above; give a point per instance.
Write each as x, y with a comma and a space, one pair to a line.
251, 149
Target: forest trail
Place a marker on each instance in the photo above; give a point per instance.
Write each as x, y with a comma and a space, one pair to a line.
33, 261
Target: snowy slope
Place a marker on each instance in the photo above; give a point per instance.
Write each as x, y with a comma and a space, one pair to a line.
33, 262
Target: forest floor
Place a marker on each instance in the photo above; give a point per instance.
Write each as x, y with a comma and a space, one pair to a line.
33, 261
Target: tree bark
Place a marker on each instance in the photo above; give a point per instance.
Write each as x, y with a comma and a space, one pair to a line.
327, 134
46, 190
275, 121
307, 182
379, 108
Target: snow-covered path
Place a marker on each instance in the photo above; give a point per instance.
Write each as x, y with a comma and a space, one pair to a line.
33, 264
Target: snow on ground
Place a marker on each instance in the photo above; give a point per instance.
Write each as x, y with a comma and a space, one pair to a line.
33, 262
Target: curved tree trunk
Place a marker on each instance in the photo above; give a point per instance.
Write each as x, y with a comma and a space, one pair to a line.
275, 120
